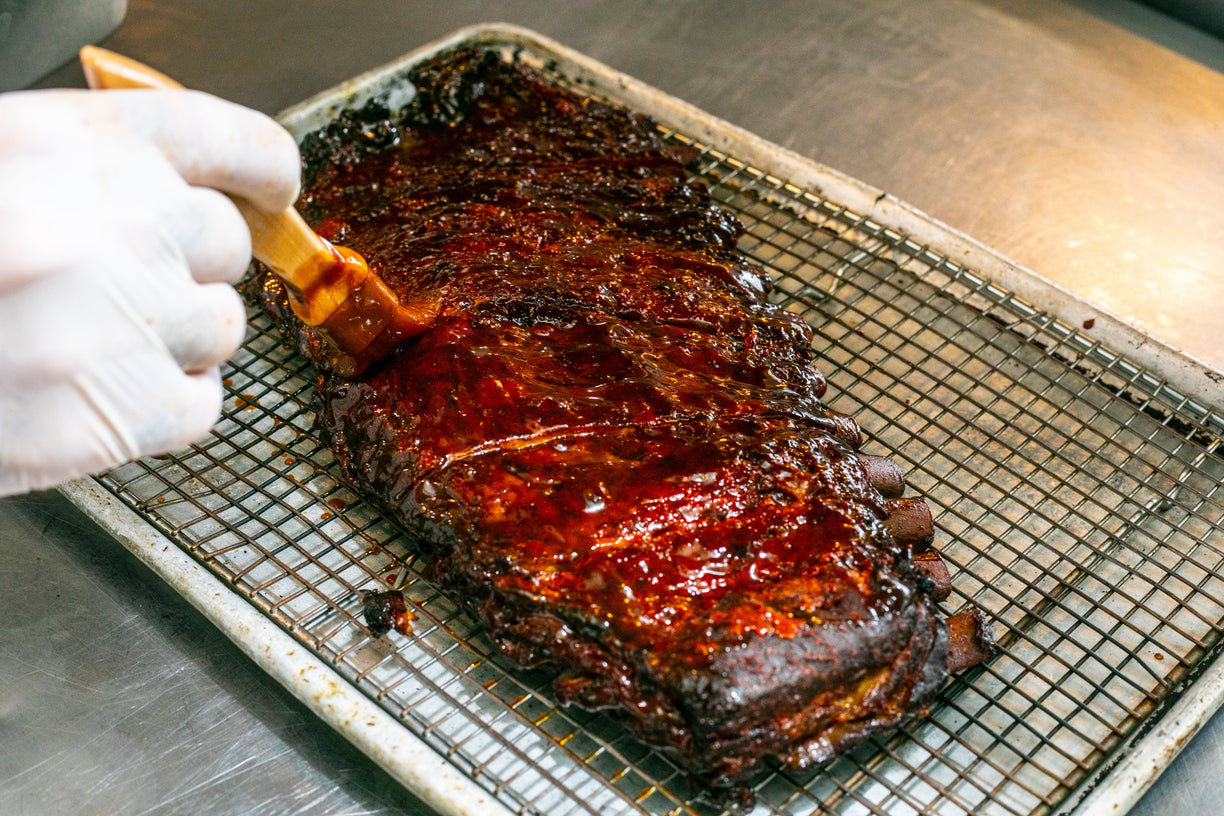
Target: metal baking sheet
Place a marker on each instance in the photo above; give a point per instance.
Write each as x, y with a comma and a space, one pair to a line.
1074, 465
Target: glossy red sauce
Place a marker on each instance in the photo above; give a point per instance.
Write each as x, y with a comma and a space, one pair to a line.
611, 444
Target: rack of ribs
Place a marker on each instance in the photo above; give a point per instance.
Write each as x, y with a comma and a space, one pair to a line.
610, 445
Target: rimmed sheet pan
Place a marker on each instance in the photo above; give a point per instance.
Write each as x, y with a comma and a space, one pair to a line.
1075, 466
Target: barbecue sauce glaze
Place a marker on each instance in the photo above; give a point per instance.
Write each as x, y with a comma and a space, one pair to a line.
609, 443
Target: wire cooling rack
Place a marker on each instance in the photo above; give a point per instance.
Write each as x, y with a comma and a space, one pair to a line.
1079, 501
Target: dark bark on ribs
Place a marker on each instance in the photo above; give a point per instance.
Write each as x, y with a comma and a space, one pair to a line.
609, 444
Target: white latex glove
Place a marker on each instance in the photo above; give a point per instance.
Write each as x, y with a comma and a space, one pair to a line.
117, 257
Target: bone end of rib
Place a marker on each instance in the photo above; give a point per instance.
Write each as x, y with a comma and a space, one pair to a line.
970, 640
935, 570
884, 474
910, 524
846, 429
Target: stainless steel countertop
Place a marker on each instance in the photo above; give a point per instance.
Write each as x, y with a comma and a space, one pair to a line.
1083, 140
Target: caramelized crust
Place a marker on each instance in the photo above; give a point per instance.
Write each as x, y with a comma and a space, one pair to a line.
610, 445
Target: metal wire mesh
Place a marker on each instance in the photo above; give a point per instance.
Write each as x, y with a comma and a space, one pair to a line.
1079, 501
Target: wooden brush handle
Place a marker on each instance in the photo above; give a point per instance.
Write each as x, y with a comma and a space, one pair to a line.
304, 260
283, 241
329, 287
108, 70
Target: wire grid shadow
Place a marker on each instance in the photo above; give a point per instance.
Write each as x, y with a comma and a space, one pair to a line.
1079, 501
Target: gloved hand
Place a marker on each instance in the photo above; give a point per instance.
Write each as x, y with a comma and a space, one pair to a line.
117, 256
